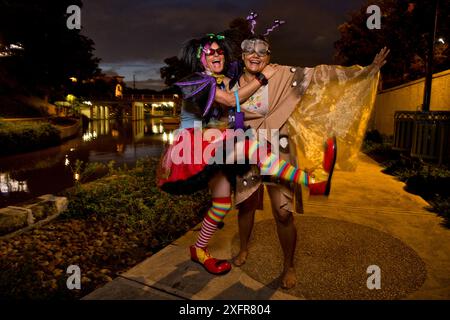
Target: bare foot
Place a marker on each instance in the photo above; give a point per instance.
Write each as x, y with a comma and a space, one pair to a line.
289, 279
240, 259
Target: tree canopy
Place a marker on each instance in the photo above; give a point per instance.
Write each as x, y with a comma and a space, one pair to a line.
51, 53
405, 29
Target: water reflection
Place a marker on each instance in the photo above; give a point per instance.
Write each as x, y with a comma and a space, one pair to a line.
51, 170
8, 184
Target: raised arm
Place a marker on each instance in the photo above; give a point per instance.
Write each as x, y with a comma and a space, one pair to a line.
379, 61
380, 58
228, 99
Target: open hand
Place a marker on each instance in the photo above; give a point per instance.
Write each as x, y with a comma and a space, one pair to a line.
380, 58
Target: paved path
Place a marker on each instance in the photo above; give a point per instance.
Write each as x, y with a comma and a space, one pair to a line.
364, 205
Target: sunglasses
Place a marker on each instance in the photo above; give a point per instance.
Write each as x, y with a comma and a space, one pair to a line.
211, 52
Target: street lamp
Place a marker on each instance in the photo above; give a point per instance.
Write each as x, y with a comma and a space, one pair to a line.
424, 134
429, 75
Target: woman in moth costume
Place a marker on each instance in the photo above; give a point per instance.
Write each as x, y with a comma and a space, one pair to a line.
307, 106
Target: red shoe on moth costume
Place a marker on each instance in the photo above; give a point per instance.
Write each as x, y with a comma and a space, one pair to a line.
329, 161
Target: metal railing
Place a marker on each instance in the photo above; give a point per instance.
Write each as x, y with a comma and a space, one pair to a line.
424, 135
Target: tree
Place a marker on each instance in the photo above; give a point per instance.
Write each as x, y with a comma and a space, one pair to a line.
173, 71
51, 52
405, 29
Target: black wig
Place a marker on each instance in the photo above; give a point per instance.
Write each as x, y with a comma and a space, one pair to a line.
191, 52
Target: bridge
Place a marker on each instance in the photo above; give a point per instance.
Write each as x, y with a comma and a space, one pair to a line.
132, 105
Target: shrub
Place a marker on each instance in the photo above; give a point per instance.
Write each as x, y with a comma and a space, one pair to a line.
24, 137
132, 198
373, 136
441, 205
111, 225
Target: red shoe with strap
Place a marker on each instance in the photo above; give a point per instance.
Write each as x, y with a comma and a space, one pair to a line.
212, 265
329, 161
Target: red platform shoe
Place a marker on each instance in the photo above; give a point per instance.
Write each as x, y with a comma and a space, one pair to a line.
329, 160
212, 265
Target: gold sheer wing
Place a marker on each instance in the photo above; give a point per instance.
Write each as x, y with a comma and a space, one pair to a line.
337, 101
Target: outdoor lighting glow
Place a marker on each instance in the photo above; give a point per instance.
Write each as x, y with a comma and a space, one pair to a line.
89, 103
155, 129
119, 90
115, 133
7, 49
72, 149
70, 98
67, 161
77, 176
161, 128
17, 46
171, 104
441, 40
175, 96
165, 137
171, 138
89, 136
73, 79
119, 147
8, 185
154, 105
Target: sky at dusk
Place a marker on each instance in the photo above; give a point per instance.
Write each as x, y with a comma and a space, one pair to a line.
133, 37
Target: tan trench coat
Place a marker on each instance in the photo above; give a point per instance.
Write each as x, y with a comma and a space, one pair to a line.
285, 91
310, 105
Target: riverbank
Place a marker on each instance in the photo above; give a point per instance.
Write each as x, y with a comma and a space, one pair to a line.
110, 225
29, 175
23, 106
19, 135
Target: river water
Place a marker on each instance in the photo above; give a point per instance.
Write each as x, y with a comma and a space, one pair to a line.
49, 171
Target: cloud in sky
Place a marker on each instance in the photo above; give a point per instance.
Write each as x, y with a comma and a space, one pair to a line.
141, 70
153, 84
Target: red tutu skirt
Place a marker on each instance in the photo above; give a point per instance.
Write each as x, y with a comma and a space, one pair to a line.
185, 167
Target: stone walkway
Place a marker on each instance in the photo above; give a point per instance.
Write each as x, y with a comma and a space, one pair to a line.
367, 220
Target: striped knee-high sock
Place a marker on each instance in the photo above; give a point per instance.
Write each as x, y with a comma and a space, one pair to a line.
218, 210
276, 167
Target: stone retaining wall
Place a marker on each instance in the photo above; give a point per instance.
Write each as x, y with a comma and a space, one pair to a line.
18, 219
69, 132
